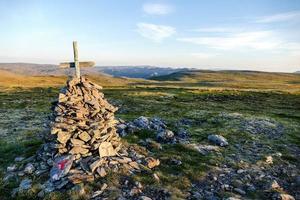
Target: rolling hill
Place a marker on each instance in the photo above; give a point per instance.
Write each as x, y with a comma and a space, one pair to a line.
117, 71
234, 79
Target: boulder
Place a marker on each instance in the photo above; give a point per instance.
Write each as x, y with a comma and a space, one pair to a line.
218, 140
142, 122
165, 135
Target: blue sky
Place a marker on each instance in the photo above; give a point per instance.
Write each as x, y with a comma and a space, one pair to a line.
213, 34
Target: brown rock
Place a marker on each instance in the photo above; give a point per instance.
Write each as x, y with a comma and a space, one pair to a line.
78, 150
101, 171
106, 149
134, 165
62, 98
77, 142
79, 178
96, 164
152, 162
156, 177
84, 136
63, 137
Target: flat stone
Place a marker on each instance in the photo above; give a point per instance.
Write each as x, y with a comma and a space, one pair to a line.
11, 168
78, 150
145, 198
61, 167
96, 164
134, 165
25, 184
239, 191
62, 184
205, 149
29, 168
99, 192
106, 149
152, 162
101, 171
63, 137
77, 142
84, 136
79, 178
19, 159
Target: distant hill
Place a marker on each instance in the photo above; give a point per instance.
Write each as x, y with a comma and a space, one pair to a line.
233, 79
145, 72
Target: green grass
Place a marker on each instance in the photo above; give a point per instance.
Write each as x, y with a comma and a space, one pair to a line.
201, 106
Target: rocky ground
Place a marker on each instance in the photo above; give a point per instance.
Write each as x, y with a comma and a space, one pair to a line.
226, 145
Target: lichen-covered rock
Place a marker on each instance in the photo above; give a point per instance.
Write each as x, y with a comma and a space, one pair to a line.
218, 140
165, 135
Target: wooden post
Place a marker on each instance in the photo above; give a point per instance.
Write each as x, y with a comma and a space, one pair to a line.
76, 62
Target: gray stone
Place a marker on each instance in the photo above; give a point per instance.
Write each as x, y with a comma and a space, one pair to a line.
61, 167
165, 135
19, 159
25, 184
29, 168
218, 140
11, 168
48, 187
145, 198
239, 191
142, 122
205, 149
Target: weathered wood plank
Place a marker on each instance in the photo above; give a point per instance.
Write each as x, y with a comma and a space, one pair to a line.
81, 64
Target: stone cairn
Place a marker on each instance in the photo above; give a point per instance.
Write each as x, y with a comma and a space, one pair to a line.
86, 145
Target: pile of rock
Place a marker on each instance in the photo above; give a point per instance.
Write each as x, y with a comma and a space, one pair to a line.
163, 133
84, 144
86, 133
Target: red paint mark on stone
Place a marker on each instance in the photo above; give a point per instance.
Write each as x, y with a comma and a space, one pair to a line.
61, 165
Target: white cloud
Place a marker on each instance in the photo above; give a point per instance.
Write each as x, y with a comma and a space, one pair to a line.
157, 9
253, 40
201, 55
295, 15
155, 32
215, 30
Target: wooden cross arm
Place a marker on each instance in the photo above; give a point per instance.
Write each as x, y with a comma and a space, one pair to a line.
81, 64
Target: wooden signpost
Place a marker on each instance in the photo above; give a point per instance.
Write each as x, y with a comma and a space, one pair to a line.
76, 64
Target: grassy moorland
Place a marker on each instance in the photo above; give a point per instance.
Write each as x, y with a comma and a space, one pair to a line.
258, 113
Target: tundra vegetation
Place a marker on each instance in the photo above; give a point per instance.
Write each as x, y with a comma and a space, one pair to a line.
258, 114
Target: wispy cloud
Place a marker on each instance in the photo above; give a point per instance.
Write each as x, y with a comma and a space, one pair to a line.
157, 8
295, 15
202, 55
154, 32
254, 40
215, 29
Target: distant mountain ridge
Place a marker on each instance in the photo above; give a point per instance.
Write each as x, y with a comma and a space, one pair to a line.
145, 72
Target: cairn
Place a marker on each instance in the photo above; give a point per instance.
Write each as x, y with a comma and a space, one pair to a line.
86, 138
83, 144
